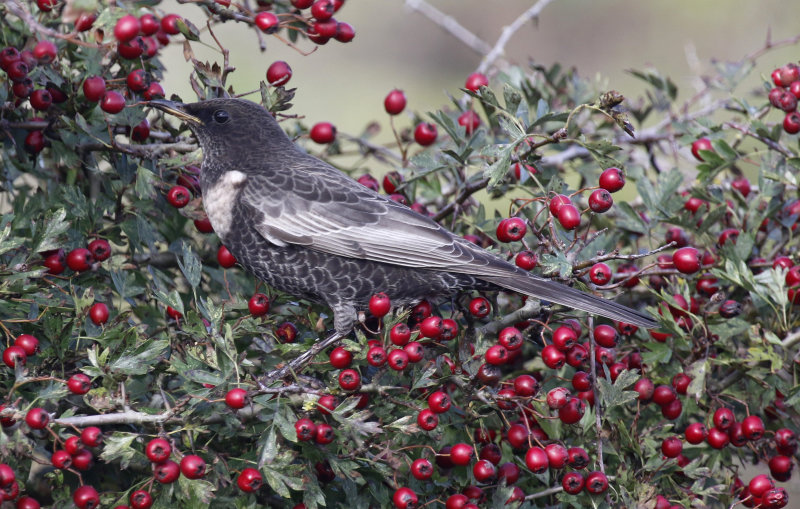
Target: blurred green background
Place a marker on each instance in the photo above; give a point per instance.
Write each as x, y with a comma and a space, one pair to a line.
398, 47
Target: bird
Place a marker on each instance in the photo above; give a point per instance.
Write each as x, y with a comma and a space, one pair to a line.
307, 229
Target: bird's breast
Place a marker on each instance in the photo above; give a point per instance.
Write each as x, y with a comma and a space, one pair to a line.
220, 198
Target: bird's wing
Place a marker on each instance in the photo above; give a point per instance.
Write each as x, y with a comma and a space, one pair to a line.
324, 210
321, 209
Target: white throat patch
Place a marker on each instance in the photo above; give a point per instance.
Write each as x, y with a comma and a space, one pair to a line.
220, 199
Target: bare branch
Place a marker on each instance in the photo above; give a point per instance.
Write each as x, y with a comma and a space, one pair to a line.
451, 25
500, 45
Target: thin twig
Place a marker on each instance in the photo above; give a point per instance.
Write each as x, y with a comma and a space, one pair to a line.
508, 32
450, 25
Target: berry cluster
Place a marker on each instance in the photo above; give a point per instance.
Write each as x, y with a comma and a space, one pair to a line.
785, 94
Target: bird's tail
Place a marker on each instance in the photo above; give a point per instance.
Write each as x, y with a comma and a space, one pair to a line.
552, 291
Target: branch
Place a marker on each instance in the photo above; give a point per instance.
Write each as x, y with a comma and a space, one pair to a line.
508, 32
450, 25
127, 417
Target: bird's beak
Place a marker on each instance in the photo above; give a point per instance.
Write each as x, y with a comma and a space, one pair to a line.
175, 108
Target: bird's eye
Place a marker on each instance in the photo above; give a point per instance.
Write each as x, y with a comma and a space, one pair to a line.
221, 116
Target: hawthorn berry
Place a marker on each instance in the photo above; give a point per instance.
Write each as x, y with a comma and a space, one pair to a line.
249, 480
37, 418
323, 133
379, 305
596, 483
695, 433
224, 257
86, 497
79, 384
484, 471
395, 102
612, 180
158, 450
28, 343
569, 217
426, 133
600, 201
169, 24
79, 259
701, 144
193, 466
475, 81
258, 305
526, 260
479, 307
279, 73
127, 27
340, 357
178, 196
572, 483
141, 499
511, 229
236, 398
267, 22
112, 102
100, 249
99, 313
166, 472
350, 379
427, 419
403, 498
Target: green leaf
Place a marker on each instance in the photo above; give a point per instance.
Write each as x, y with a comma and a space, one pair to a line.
190, 264
46, 238
118, 447
269, 447
139, 360
556, 264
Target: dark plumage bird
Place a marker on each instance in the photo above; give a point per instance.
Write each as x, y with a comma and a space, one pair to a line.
309, 230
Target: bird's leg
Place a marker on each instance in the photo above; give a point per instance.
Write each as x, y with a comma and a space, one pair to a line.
298, 363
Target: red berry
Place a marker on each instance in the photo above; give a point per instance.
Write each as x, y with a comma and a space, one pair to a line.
511, 229
149, 25
154, 91
572, 483
605, 336
400, 334
249, 480
258, 305
61, 459
526, 260
557, 398
511, 338
82, 460
169, 24
86, 497
45, 51
92, 436
403, 498
572, 411
323, 132
379, 305
425, 133
681, 382
475, 81
717, 438
99, 313
112, 102
305, 429
461, 454
94, 88
79, 259
427, 419
470, 121
79, 384
158, 450
395, 102
484, 471
479, 307
431, 327
760, 484
340, 358
600, 201
612, 180
525, 385
564, 338
37, 418
236, 398
600, 273
569, 217
536, 460
496, 355
178, 196
28, 343
41, 99
286, 332
422, 469
350, 379
100, 249
723, 418
166, 472
701, 144
225, 257
791, 123
439, 402
696, 433
671, 447
344, 32
141, 499
193, 466
553, 357
753, 427
17, 70
279, 73
415, 351
267, 22
686, 260
596, 483
127, 28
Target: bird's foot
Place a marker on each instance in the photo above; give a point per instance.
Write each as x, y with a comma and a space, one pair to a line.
298, 363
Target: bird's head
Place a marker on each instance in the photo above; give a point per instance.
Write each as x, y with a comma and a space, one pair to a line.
225, 126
